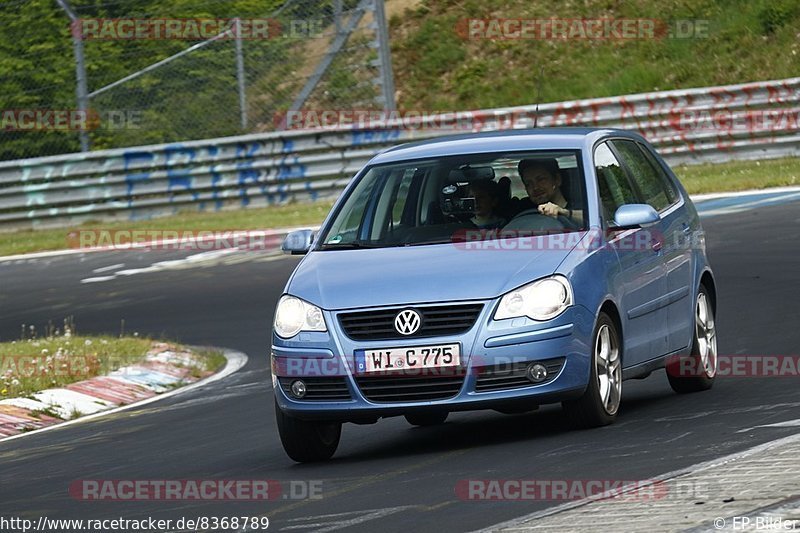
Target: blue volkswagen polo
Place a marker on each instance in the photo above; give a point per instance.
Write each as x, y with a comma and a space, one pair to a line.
502, 271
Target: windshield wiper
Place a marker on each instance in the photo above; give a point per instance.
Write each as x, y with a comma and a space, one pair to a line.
434, 241
353, 245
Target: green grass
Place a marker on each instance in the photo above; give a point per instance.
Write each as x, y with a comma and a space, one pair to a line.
436, 69
213, 360
282, 216
60, 357
739, 175
34, 364
731, 176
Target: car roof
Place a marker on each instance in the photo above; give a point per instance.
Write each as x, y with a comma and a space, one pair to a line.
501, 141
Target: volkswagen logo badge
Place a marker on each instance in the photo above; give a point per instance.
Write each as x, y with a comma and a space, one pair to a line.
407, 322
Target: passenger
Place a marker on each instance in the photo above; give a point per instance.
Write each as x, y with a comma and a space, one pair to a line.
486, 199
542, 181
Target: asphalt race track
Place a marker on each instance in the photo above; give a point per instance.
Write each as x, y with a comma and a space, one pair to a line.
388, 477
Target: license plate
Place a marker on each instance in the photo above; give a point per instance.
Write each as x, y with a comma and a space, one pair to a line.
408, 358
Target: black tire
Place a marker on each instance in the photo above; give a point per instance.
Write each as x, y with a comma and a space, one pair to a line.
589, 410
698, 378
427, 419
306, 441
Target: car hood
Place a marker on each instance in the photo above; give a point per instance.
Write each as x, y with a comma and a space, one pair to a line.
344, 279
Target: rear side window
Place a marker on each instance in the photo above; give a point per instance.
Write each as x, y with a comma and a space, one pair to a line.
394, 203
615, 189
670, 186
401, 201
655, 189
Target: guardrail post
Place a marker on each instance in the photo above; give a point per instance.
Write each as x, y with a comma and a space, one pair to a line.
240, 75
384, 57
81, 89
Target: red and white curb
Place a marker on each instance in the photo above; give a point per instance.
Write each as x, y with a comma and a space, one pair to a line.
163, 373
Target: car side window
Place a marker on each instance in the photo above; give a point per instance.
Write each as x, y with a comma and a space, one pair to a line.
672, 193
401, 199
615, 189
655, 191
392, 204
351, 216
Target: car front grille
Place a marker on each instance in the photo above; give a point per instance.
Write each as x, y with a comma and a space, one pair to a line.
404, 388
318, 388
512, 376
436, 320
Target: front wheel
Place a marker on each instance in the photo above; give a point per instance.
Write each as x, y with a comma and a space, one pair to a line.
306, 441
600, 401
696, 372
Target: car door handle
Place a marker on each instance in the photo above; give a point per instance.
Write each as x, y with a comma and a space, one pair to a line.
687, 229
656, 245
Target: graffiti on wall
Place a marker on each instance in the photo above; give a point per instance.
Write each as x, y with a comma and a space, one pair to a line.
205, 177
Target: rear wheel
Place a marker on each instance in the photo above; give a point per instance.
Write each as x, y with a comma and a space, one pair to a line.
600, 401
698, 372
426, 419
306, 441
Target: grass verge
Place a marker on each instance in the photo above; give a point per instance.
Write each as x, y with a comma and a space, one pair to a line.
36, 363
739, 175
212, 361
282, 216
731, 176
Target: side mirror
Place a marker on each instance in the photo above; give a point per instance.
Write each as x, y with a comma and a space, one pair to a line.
630, 216
298, 242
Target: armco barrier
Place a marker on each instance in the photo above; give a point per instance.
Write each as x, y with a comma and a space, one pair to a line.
747, 121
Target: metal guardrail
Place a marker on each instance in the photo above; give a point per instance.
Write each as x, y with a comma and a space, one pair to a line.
747, 121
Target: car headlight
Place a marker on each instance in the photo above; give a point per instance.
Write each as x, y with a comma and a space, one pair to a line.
540, 300
293, 315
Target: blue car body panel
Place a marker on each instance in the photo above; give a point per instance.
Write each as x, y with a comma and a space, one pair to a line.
339, 279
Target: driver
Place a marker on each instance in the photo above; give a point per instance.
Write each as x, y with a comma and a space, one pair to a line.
542, 181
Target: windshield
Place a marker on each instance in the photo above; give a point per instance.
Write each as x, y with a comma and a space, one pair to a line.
434, 201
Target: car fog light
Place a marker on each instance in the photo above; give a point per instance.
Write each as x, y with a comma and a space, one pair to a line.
298, 389
536, 372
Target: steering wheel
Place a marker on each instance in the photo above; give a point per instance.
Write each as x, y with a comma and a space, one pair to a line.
532, 219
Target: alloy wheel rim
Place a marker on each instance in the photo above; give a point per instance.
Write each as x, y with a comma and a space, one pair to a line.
609, 369
705, 331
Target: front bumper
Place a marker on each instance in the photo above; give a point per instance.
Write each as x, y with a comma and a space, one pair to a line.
489, 345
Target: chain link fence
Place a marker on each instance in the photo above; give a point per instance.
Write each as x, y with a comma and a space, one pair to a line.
254, 61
